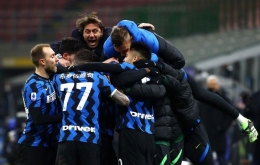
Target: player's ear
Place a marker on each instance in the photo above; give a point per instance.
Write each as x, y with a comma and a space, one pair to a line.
42, 62
136, 58
65, 56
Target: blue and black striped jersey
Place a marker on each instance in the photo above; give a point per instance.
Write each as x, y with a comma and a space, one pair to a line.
38, 93
138, 115
107, 116
80, 93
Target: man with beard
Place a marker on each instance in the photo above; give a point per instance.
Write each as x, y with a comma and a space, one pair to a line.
35, 144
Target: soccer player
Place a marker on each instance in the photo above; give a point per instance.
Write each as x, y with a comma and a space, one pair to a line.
80, 94
126, 32
69, 46
40, 106
137, 49
135, 124
168, 133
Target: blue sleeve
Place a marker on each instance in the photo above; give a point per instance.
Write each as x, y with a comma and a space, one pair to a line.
185, 74
108, 49
104, 85
141, 35
154, 57
127, 66
34, 94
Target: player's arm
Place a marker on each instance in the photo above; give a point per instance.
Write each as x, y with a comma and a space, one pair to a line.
171, 83
211, 98
146, 91
35, 109
128, 78
39, 118
62, 69
120, 98
109, 90
164, 68
169, 53
99, 67
108, 49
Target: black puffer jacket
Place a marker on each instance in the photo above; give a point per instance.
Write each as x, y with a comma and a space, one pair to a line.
182, 100
167, 126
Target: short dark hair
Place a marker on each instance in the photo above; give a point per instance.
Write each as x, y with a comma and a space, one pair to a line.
84, 56
118, 35
142, 48
88, 19
37, 53
70, 45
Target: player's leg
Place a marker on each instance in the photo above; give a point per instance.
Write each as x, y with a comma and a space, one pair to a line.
29, 155
197, 147
67, 153
89, 153
176, 150
135, 147
162, 157
107, 152
218, 102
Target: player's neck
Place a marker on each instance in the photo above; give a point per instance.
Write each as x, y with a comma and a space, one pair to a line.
41, 72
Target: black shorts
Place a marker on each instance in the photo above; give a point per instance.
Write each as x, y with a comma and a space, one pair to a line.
176, 152
197, 147
167, 153
162, 153
135, 148
29, 155
107, 152
78, 153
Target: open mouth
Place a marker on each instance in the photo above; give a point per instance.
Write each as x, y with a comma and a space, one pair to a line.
92, 42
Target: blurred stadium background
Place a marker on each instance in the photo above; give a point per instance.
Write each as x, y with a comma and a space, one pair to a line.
220, 37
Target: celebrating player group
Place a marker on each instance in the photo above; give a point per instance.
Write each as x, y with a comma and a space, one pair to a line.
126, 79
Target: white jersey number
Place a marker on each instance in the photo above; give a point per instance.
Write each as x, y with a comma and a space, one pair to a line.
69, 87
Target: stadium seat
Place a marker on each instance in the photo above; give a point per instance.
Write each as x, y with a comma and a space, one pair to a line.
27, 16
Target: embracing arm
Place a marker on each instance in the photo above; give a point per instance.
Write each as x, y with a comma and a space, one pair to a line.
128, 77
39, 118
100, 67
61, 69
146, 91
211, 98
120, 98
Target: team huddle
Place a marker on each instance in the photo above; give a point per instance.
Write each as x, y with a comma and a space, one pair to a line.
126, 79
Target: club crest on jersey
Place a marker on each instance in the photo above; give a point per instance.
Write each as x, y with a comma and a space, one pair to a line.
33, 96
